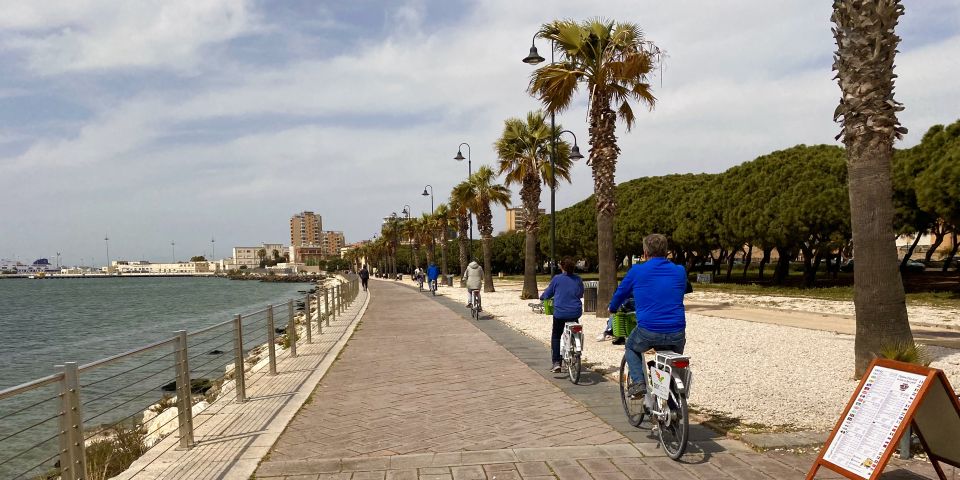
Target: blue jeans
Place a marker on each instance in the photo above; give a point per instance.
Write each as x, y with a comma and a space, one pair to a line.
641, 340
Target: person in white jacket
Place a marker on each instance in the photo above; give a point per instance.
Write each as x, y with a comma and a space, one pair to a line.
473, 277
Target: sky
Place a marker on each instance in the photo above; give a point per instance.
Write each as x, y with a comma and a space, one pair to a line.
160, 121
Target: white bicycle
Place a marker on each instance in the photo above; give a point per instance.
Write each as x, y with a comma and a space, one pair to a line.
571, 349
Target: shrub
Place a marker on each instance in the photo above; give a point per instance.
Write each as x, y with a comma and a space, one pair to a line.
906, 352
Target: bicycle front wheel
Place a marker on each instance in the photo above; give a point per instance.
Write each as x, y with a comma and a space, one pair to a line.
633, 407
675, 429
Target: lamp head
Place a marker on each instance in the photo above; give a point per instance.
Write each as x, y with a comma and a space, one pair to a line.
459, 156
425, 192
575, 153
533, 58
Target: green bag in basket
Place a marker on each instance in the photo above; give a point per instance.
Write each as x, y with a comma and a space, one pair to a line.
623, 323
548, 306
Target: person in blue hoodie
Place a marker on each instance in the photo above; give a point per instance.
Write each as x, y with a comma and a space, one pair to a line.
566, 290
433, 272
657, 287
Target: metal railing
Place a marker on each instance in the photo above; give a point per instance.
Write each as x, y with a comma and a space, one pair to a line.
48, 425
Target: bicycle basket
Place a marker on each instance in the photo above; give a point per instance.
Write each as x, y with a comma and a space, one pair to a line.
548, 306
623, 323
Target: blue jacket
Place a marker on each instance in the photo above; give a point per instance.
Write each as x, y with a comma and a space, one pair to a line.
657, 287
566, 290
433, 272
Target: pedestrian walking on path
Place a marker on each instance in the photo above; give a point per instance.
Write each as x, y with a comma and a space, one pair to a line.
364, 277
566, 290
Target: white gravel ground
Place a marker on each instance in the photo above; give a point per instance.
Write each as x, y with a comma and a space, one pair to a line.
919, 314
766, 374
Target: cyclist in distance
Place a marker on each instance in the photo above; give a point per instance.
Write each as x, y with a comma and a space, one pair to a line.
433, 272
657, 286
566, 290
474, 279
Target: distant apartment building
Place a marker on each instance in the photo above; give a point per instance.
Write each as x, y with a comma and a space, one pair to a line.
249, 257
306, 229
331, 243
516, 217
144, 267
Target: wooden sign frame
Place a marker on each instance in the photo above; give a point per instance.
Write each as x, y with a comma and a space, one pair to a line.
923, 415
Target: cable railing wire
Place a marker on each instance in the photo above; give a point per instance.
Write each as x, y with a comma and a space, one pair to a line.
42, 463
17, 455
205, 353
164, 370
151, 390
162, 357
18, 432
10, 414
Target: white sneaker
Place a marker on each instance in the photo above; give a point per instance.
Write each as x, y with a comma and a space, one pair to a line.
601, 337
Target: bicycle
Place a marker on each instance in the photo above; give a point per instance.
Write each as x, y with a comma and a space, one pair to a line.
668, 386
433, 287
420, 282
475, 307
571, 349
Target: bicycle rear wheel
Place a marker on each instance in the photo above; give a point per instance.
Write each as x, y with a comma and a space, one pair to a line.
675, 431
573, 368
632, 407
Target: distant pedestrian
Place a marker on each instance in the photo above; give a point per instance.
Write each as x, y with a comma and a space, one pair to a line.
566, 290
364, 277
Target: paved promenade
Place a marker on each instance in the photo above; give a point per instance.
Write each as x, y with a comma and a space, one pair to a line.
423, 392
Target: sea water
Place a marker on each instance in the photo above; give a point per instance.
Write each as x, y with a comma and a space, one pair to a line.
50, 321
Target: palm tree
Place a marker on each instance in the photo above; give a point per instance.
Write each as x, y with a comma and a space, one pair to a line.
483, 191
613, 60
866, 47
441, 220
426, 236
460, 211
524, 151
262, 254
411, 230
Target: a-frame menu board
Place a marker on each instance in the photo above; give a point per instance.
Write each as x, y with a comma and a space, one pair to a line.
892, 396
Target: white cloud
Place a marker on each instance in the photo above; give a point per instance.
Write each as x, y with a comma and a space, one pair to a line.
75, 35
362, 132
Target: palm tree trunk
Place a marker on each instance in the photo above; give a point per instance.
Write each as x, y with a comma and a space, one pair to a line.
487, 269
443, 253
878, 294
864, 61
530, 194
603, 156
462, 239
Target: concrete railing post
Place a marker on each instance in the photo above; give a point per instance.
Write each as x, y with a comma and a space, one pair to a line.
306, 312
184, 390
272, 340
73, 461
238, 372
291, 330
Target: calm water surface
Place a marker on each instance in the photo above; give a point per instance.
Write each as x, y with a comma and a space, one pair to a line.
47, 322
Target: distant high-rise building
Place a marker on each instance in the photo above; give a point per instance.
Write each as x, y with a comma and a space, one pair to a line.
305, 229
332, 242
516, 217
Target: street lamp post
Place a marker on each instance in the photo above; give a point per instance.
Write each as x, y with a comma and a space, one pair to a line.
106, 241
396, 235
534, 58
460, 158
431, 196
173, 250
213, 249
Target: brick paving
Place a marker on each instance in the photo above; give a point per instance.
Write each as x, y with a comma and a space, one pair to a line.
420, 392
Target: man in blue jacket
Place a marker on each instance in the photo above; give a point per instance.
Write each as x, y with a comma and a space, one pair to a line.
566, 290
657, 286
433, 272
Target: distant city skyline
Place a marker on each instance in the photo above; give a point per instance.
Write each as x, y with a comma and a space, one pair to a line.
243, 112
